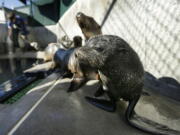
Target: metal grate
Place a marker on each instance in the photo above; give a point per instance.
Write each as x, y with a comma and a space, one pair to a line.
152, 28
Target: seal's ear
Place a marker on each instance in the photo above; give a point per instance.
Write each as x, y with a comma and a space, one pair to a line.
76, 83
99, 49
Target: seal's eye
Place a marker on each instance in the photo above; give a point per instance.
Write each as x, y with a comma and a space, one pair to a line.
99, 49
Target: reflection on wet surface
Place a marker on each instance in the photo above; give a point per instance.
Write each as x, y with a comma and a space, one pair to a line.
10, 68
160, 109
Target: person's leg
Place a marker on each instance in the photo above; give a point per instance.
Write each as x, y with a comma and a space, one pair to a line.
15, 40
10, 45
22, 39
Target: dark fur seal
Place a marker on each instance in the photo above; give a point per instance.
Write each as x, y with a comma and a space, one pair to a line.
120, 71
88, 25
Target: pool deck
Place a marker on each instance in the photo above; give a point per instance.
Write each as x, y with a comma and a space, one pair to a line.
49, 109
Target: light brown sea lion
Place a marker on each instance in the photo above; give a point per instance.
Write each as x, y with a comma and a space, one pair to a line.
52, 48
88, 25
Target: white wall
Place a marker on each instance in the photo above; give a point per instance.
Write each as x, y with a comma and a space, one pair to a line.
3, 27
3, 31
94, 8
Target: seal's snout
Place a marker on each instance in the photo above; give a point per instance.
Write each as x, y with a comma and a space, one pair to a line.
79, 15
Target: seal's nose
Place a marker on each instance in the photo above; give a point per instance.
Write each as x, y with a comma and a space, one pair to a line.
79, 14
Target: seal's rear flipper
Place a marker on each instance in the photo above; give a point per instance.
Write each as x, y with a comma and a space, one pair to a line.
103, 104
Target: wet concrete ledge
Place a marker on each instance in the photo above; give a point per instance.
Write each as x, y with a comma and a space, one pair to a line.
49, 109
60, 113
68, 113
10, 114
38, 55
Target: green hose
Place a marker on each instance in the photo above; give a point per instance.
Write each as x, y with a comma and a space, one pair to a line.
22, 92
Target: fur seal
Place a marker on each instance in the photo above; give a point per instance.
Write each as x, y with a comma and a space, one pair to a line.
52, 48
118, 67
88, 25
59, 54
66, 43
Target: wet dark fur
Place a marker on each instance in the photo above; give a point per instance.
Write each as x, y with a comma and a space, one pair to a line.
88, 25
77, 41
118, 65
120, 72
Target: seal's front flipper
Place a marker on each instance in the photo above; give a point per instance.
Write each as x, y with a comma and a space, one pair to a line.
67, 75
76, 83
103, 104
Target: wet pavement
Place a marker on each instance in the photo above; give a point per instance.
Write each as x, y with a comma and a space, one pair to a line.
68, 113
10, 114
49, 109
13, 67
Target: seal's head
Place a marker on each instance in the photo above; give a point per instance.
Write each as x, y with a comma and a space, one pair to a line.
88, 25
50, 51
77, 40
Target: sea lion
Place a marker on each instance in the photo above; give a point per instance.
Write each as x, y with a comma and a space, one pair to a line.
111, 60
52, 48
88, 25
77, 41
66, 43
59, 55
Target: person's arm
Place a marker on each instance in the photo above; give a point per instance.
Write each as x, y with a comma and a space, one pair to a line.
23, 26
